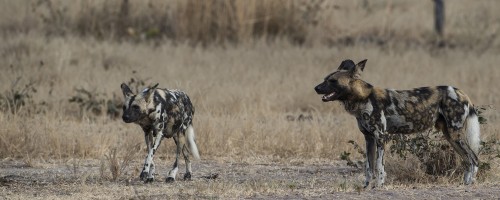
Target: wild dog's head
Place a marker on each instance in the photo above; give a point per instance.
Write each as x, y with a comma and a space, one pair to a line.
135, 105
342, 83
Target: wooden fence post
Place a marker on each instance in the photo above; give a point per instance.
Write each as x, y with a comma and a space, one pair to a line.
439, 16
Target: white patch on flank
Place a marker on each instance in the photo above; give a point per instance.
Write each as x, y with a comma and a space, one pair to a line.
451, 93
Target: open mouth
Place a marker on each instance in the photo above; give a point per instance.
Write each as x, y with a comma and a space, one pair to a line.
328, 97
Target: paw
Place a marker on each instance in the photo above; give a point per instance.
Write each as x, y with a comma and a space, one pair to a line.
187, 176
143, 175
170, 179
468, 178
366, 184
370, 185
149, 180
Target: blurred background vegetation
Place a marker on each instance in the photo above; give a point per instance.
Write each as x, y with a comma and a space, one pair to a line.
462, 23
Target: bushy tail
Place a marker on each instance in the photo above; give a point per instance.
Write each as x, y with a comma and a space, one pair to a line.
190, 141
473, 131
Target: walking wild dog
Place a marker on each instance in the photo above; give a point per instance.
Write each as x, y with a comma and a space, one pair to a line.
162, 113
381, 111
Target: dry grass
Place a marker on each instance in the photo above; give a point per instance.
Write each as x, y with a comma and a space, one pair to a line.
307, 22
248, 97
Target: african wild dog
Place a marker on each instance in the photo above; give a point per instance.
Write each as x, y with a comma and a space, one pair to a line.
162, 113
381, 111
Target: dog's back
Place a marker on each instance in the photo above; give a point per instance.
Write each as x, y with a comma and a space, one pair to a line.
417, 110
174, 108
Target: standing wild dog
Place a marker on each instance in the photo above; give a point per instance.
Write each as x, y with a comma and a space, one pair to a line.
381, 111
162, 113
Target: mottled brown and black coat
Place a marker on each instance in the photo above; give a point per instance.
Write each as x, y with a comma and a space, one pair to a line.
162, 113
382, 111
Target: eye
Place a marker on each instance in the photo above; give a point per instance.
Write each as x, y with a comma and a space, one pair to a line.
135, 107
333, 81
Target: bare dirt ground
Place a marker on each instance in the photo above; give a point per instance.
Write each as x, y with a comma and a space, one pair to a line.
227, 179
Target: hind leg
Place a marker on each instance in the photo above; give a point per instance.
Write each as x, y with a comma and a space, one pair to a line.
185, 153
179, 143
458, 141
469, 157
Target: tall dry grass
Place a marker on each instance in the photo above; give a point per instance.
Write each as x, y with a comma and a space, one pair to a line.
253, 100
199, 22
306, 22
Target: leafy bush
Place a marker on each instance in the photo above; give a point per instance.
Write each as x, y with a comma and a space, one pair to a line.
17, 96
429, 148
98, 103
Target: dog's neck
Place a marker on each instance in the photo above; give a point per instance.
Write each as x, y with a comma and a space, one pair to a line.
354, 108
359, 97
361, 90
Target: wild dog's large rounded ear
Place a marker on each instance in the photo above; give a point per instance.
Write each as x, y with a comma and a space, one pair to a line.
126, 90
347, 65
361, 64
359, 68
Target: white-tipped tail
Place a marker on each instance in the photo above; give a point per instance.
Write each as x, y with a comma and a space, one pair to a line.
473, 133
190, 141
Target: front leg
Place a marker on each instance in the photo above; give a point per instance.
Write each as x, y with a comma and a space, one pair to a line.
153, 140
380, 162
148, 136
371, 150
374, 160
374, 165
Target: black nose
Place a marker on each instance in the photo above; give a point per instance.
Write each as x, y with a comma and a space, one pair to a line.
126, 118
317, 89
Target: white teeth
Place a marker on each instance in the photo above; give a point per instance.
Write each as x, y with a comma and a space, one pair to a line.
329, 95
